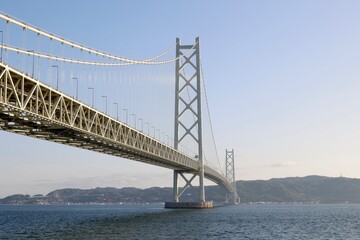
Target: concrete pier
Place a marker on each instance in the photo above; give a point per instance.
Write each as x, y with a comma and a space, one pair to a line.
189, 205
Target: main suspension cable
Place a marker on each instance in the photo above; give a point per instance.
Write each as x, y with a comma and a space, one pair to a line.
57, 58
51, 36
208, 111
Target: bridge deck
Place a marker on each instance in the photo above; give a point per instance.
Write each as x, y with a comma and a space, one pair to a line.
31, 108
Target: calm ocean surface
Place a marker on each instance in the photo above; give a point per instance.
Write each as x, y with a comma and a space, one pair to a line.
154, 222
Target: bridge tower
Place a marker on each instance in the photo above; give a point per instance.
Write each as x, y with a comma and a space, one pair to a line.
230, 176
186, 104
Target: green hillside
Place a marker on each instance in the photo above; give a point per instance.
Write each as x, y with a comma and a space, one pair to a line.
310, 189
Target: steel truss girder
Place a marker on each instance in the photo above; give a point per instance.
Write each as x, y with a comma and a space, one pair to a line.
31, 108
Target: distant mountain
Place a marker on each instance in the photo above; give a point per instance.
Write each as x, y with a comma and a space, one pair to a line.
301, 189
278, 190
110, 195
16, 199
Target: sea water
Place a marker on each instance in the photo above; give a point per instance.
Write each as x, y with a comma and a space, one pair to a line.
278, 221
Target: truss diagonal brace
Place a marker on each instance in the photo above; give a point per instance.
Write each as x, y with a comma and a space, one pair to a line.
188, 182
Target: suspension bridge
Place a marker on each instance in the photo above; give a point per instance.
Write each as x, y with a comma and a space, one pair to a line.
61, 91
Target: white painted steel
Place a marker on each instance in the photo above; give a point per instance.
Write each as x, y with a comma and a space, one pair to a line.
29, 107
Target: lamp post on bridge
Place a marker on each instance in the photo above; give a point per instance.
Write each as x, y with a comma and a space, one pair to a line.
148, 128
126, 118
158, 130
133, 114
77, 87
105, 103
163, 137
167, 137
57, 76
154, 130
92, 98
117, 110
142, 124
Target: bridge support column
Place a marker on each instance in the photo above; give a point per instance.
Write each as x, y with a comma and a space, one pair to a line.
188, 119
177, 194
230, 176
175, 187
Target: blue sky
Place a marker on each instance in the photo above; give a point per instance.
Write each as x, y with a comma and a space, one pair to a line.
282, 78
